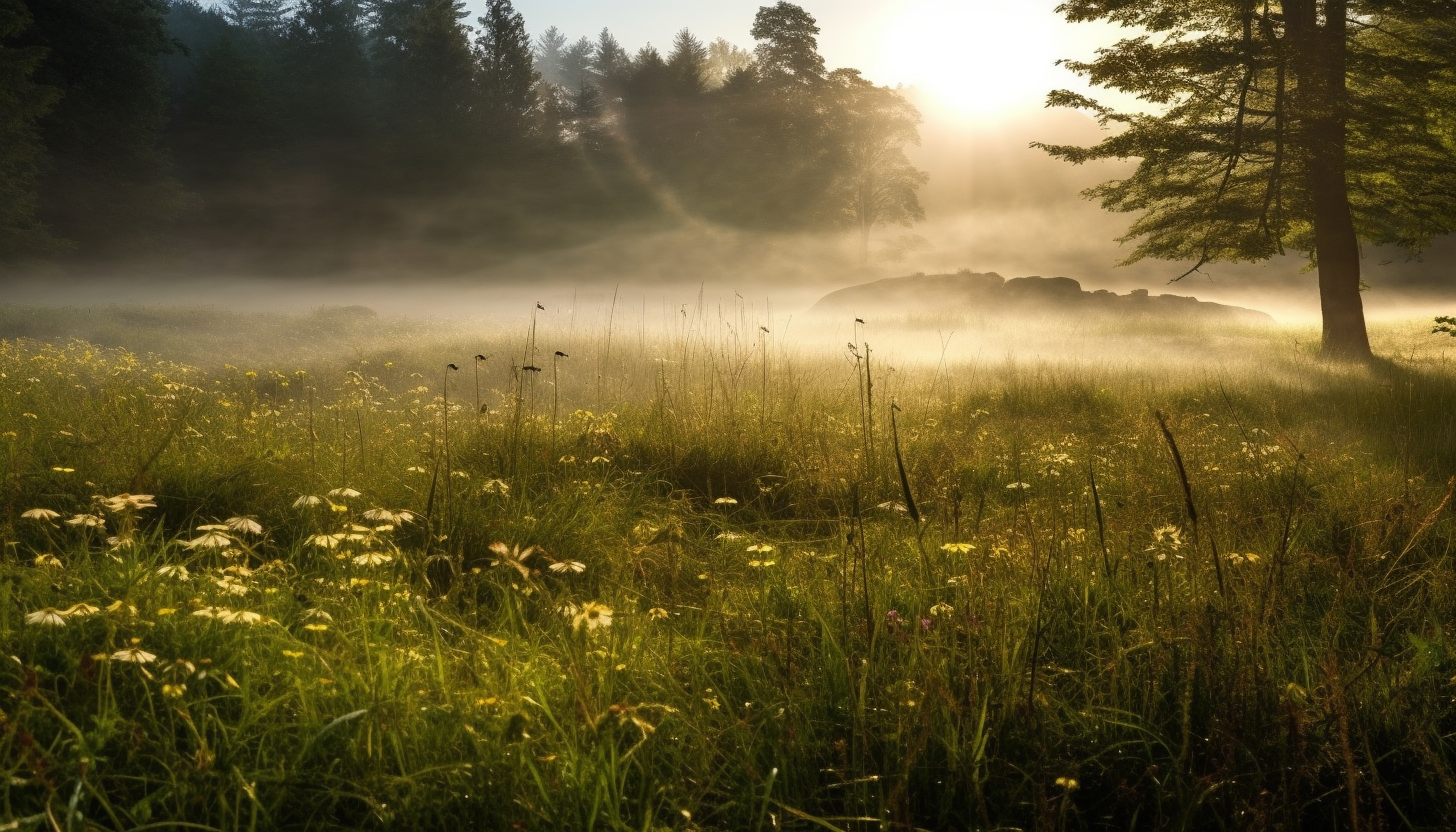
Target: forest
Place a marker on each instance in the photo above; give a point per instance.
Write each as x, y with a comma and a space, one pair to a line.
269, 135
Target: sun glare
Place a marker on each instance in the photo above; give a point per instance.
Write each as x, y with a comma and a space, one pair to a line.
976, 58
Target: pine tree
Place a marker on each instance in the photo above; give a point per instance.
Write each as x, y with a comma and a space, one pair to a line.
107, 185
550, 50
426, 79
688, 63
507, 77
263, 16
1304, 125
23, 103
610, 64
330, 83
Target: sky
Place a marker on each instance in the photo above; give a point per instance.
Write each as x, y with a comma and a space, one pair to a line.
977, 57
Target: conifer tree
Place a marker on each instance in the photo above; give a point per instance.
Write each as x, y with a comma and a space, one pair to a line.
1302, 125
23, 103
507, 77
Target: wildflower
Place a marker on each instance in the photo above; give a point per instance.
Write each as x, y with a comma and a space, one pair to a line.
80, 610
319, 614
244, 525
307, 502
941, 608
315, 628
657, 613
567, 566
60, 470
48, 617
293, 654
210, 540
729, 536
926, 624
89, 521
172, 691
239, 617
41, 514
326, 541
893, 618
134, 655
128, 502
957, 548
121, 607
758, 564
372, 559
166, 611
500, 487
513, 557
1018, 486
174, 570
725, 501
761, 547
343, 493
380, 515
592, 616
231, 585
48, 561
1068, 783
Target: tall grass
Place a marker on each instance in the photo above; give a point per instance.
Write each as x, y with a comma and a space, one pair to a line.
1129, 595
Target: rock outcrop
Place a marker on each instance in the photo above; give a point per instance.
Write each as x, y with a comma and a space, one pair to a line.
990, 293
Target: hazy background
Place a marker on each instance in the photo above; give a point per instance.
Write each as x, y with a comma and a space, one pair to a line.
991, 202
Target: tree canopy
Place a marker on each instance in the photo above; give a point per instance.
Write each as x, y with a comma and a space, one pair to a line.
1306, 125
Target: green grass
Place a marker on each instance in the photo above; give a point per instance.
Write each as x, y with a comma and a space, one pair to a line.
786, 647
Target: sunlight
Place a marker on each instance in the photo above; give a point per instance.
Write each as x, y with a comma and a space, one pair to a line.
976, 57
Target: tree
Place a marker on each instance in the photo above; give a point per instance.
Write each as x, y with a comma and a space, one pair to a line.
507, 77
724, 59
264, 16
1302, 125
329, 76
688, 64
106, 183
877, 185
610, 64
23, 103
788, 45
427, 80
550, 51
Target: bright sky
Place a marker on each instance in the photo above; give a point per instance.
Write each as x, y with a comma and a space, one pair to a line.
978, 57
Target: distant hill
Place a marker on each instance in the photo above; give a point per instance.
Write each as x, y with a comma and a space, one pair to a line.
970, 292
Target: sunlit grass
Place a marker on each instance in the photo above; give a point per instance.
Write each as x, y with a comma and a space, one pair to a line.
683, 589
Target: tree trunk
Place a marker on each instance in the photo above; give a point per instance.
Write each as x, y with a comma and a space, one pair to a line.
1319, 54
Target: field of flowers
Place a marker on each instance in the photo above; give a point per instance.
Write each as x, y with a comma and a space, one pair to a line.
707, 582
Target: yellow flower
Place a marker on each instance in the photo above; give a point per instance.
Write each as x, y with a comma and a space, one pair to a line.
173, 691
657, 613
293, 654
957, 548
315, 628
80, 610
166, 611
725, 501
49, 561
1068, 783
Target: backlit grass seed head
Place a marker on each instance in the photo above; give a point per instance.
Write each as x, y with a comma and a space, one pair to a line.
47, 617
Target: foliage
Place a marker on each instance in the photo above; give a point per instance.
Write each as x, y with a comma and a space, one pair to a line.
22, 104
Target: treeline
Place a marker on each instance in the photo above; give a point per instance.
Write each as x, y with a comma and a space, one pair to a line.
276, 133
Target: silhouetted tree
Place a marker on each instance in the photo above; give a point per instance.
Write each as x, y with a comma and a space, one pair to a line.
329, 78
265, 16
788, 45
506, 71
610, 64
1305, 124
23, 103
107, 184
427, 83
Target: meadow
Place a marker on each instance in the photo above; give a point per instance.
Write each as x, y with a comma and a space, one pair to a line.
299, 573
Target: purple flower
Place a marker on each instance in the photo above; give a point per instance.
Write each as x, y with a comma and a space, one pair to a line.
926, 624
892, 618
